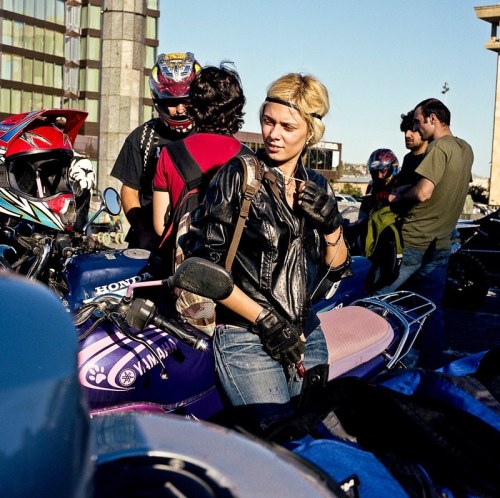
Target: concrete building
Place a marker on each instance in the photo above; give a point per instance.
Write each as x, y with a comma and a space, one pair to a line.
491, 14
92, 55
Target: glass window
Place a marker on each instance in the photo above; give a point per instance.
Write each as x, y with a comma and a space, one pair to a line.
15, 101
27, 101
8, 4
56, 101
29, 35
82, 74
29, 8
59, 44
92, 107
94, 17
28, 71
151, 27
49, 42
84, 23
58, 76
147, 91
7, 32
6, 67
94, 48
48, 73
17, 68
92, 79
40, 10
60, 11
50, 10
152, 4
18, 6
5, 100
37, 101
39, 39
150, 56
38, 72
47, 101
17, 34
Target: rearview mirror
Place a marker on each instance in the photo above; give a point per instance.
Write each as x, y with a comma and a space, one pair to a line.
202, 277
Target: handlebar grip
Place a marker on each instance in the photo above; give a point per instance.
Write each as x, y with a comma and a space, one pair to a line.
180, 333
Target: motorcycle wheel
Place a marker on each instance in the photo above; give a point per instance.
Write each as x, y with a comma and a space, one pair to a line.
467, 281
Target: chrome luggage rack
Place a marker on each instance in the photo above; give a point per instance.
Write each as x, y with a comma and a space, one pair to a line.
404, 310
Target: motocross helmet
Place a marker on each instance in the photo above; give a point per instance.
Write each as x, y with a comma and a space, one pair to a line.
382, 160
169, 82
36, 150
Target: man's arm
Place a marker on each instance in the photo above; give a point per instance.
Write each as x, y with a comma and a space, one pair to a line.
131, 204
161, 206
421, 192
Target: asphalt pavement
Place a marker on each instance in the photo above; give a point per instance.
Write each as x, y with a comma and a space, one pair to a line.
472, 331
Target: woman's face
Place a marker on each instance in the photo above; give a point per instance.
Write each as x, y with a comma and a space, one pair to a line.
285, 133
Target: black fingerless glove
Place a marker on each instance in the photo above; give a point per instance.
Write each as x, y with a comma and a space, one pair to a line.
280, 339
320, 207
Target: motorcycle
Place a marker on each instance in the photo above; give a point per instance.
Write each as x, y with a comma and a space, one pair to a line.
132, 357
474, 264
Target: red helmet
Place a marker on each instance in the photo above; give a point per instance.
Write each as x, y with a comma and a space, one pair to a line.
169, 82
36, 150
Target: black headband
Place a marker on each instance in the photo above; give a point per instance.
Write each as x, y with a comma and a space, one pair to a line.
293, 106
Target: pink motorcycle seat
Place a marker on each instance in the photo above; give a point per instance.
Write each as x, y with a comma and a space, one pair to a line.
353, 336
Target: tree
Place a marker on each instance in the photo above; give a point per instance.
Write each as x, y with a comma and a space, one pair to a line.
351, 190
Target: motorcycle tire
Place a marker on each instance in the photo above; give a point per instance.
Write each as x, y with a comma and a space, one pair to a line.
467, 281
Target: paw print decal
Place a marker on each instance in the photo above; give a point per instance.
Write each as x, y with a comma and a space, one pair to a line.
96, 374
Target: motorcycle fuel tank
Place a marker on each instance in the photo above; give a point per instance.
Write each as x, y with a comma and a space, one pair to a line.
108, 272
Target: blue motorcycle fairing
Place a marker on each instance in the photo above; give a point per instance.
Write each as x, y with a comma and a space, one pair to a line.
108, 272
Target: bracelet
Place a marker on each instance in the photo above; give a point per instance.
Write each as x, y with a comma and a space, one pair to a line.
336, 243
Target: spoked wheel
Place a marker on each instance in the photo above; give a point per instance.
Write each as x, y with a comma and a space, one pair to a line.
467, 281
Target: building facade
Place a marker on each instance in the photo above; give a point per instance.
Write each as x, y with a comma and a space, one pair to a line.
92, 55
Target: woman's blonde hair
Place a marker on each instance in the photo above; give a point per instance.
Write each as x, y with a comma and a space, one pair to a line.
307, 95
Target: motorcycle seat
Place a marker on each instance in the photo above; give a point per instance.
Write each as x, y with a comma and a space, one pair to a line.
354, 335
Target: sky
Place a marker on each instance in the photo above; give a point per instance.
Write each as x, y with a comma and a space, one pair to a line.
378, 59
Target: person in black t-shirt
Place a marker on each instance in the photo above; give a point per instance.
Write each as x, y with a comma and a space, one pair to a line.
135, 166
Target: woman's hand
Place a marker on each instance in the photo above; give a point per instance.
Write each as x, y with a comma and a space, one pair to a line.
320, 207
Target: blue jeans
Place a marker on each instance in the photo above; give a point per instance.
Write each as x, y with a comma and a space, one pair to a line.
253, 382
424, 272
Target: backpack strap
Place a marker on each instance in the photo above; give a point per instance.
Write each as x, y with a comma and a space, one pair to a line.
252, 178
184, 163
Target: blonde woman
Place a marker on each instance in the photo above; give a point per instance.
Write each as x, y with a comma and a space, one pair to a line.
266, 329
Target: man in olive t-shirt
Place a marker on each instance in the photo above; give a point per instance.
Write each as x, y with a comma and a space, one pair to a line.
439, 195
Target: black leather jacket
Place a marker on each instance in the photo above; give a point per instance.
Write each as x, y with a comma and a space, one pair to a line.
280, 258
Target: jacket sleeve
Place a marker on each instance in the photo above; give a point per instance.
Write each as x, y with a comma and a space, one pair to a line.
213, 221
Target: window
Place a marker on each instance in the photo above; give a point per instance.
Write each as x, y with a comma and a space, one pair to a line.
27, 101
147, 91
29, 35
150, 56
5, 100
59, 11
50, 10
39, 39
92, 107
17, 68
47, 101
58, 76
37, 101
49, 42
40, 10
38, 73
92, 79
28, 71
29, 8
151, 27
6, 67
59, 45
94, 17
94, 48
17, 34
48, 73
152, 4
7, 32
18, 6
15, 101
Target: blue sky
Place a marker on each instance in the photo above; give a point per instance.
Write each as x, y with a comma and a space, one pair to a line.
378, 58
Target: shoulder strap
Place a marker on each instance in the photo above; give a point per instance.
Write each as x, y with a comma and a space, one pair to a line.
252, 178
184, 163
